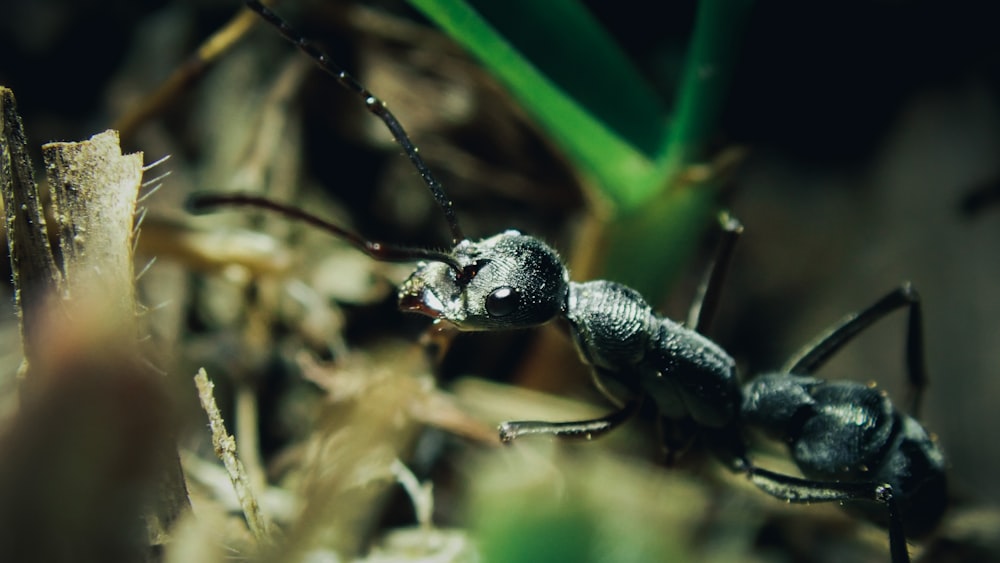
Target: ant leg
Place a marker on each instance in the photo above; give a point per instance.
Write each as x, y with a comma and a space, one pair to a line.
816, 353
706, 298
585, 429
794, 489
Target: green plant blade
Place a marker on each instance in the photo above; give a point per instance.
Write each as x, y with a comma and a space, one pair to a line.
566, 71
591, 128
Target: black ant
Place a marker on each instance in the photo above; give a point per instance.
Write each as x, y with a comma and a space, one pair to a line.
848, 439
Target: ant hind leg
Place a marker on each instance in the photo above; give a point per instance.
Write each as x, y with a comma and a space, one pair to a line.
798, 490
812, 356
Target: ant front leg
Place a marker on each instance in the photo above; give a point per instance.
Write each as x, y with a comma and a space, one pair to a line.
816, 353
798, 490
585, 429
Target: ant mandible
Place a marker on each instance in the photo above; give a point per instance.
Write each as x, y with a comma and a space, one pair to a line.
851, 443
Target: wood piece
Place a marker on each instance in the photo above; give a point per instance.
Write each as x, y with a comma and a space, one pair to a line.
78, 323
94, 191
35, 275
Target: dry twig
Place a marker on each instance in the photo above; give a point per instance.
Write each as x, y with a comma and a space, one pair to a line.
225, 449
81, 302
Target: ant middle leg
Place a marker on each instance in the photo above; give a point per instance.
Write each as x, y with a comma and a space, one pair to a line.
812, 356
582, 429
706, 299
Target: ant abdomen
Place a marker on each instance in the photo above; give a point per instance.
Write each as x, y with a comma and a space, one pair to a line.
847, 431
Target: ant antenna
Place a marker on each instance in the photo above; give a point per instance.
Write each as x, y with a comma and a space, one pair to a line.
201, 202
372, 104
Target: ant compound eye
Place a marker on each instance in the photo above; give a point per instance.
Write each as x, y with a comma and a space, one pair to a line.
502, 302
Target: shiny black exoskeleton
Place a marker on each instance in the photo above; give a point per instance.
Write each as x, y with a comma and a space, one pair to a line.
846, 431
849, 440
851, 443
520, 282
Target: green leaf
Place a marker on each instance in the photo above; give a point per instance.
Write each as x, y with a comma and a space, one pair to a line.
575, 82
563, 67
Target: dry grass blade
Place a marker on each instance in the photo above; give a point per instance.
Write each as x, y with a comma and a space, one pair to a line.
225, 449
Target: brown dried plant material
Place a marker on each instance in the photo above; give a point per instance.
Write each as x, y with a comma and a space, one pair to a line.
213, 48
225, 449
236, 251
36, 276
94, 193
83, 366
82, 462
358, 376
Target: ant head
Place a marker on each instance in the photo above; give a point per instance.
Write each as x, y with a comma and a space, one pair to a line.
506, 281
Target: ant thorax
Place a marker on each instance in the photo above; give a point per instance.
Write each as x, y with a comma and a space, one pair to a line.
682, 371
